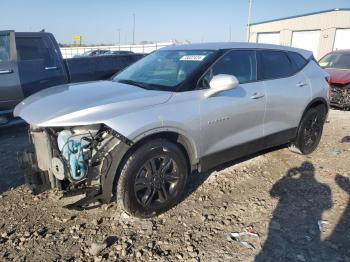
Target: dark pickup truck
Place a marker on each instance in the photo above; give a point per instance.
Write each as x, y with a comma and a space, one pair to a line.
30, 62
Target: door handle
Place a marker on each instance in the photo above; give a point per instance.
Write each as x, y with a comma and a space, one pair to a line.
257, 96
301, 84
3, 72
50, 67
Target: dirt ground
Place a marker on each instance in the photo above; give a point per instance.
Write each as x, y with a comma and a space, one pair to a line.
297, 208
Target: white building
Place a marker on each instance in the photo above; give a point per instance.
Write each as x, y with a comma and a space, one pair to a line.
320, 32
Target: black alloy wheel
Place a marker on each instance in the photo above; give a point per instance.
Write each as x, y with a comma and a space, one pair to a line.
157, 181
152, 178
309, 131
312, 131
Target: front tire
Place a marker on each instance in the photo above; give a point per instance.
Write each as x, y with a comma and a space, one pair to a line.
152, 178
309, 131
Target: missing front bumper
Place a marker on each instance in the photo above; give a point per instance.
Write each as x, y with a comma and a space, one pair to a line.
98, 186
340, 96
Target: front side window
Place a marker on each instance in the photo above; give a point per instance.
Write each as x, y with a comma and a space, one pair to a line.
275, 64
336, 60
239, 63
33, 48
4, 48
164, 69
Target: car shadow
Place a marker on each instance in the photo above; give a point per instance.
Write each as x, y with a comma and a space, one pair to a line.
196, 179
296, 225
12, 140
340, 237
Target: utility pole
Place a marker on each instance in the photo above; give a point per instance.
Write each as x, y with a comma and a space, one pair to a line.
133, 30
230, 33
249, 18
119, 38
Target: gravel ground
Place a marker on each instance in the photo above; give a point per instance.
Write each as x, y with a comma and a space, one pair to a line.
296, 208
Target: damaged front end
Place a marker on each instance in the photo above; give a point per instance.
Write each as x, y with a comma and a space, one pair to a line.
340, 96
76, 160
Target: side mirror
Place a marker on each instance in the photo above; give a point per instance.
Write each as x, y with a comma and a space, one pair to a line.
221, 83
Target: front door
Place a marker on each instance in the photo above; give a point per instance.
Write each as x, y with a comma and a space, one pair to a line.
10, 86
234, 117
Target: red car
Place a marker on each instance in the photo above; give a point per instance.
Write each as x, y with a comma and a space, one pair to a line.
337, 64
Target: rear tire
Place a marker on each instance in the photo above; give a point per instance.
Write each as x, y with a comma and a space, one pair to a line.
152, 179
309, 131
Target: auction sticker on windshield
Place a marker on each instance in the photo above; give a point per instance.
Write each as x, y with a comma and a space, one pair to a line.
192, 58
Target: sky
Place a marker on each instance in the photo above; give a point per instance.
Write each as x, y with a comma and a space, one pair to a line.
98, 21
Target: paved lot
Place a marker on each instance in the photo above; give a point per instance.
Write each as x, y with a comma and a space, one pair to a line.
283, 197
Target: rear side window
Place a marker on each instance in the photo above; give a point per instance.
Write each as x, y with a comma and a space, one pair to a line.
33, 48
239, 63
4, 48
275, 64
298, 60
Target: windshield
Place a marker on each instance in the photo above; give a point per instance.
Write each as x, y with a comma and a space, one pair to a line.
336, 60
163, 70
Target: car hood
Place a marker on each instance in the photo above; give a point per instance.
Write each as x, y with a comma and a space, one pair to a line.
339, 76
86, 103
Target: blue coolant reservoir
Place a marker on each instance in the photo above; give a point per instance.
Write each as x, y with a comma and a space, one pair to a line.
72, 146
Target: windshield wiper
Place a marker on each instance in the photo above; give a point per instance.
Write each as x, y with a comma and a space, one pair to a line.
134, 83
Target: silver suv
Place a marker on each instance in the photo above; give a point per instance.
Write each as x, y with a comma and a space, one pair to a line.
137, 137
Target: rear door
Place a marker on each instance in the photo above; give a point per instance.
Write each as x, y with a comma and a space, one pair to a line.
39, 64
288, 90
10, 87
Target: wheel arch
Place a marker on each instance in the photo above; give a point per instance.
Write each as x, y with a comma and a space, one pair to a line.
314, 103
186, 145
122, 152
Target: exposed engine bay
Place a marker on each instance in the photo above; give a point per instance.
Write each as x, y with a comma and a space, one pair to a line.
340, 96
76, 160
76, 146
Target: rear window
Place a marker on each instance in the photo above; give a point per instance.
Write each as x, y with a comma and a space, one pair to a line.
275, 64
298, 60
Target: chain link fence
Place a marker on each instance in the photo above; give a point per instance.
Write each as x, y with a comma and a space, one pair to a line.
69, 52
